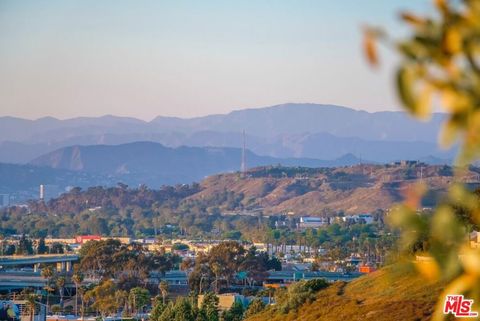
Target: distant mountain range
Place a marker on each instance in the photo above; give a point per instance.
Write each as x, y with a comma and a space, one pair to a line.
154, 164
284, 131
136, 163
89, 151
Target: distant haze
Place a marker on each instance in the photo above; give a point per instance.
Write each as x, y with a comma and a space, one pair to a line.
289, 130
189, 58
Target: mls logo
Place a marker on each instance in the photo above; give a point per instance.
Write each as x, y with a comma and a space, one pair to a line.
459, 307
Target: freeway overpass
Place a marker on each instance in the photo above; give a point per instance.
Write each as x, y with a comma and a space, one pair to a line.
63, 261
17, 280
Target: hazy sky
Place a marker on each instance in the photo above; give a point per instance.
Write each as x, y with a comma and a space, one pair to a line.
144, 58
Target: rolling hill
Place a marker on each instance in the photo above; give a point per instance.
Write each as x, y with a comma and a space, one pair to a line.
386, 295
303, 186
352, 189
154, 165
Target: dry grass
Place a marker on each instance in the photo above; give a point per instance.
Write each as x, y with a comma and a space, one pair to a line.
383, 189
391, 294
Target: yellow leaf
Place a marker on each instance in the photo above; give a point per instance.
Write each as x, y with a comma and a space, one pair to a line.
443, 224
412, 19
428, 269
424, 102
449, 133
454, 101
442, 5
474, 122
415, 96
472, 139
370, 47
405, 80
452, 41
413, 195
471, 261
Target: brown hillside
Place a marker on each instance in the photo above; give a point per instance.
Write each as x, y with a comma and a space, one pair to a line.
386, 295
361, 188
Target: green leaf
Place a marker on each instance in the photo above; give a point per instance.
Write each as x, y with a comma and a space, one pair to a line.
405, 82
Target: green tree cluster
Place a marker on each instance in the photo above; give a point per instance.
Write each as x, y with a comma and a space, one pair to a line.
220, 267
130, 265
185, 309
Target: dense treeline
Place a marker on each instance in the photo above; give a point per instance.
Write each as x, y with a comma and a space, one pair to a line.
122, 211
188, 210
124, 282
130, 264
169, 213
119, 278
219, 268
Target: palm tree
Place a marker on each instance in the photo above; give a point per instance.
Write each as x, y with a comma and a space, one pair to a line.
77, 278
61, 286
31, 303
163, 287
48, 273
82, 290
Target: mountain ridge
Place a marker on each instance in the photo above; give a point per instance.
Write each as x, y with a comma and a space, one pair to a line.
286, 130
155, 164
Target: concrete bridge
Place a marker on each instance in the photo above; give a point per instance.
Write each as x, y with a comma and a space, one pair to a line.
18, 280
21, 280
62, 261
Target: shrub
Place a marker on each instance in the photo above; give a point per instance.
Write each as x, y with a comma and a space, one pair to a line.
291, 298
255, 307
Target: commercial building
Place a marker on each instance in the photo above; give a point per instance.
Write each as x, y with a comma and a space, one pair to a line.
312, 222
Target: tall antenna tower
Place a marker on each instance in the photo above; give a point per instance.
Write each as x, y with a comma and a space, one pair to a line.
243, 166
42, 192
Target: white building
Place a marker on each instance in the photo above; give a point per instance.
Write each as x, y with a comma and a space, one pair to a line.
313, 222
360, 218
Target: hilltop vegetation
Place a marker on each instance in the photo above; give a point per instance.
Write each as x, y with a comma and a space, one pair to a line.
322, 191
390, 294
208, 207
154, 164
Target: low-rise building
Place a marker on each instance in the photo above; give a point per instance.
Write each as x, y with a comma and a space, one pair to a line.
81, 239
287, 277
359, 218
122, 239
226, 300
312, 222
173, 277
366, 269
68, 241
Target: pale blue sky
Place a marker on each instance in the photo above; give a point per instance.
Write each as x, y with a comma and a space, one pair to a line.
187, 58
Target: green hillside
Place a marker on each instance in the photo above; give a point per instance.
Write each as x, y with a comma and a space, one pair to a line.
390, 294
